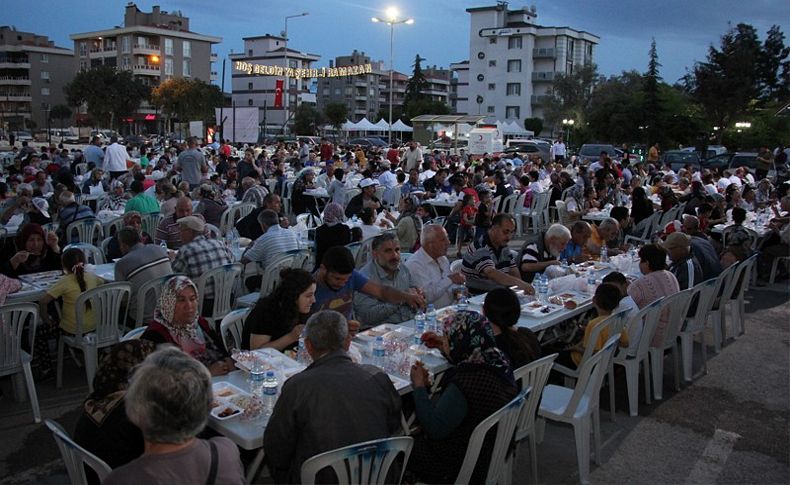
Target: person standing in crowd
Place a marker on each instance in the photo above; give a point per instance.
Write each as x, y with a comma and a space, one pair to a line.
558, 151
191, 164
412, 157
115, 158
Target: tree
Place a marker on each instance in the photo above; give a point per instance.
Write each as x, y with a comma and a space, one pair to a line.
187, 99
416, 84
774, 67
652, 111
614, 113
533, 124
60, 112
570, 96
336, 114
425, 106
109, 94
306, 120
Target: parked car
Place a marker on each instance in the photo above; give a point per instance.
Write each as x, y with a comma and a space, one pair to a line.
310, 140
23, 136
678, 159
731, 160
368, 142
592, 152
529, 147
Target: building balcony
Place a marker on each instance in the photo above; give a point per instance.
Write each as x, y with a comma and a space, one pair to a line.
108, 51
18, 97
147, 70
214, 76
542, 77
539, 99
14, 81
8, 64
213, 57
544, 53
146, 49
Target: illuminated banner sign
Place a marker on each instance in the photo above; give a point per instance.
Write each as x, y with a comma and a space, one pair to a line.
266, 70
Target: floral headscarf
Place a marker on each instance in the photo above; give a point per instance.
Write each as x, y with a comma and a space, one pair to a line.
165, 309
472, 342
333, 214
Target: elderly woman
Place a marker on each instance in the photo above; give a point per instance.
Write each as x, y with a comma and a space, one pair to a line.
169, 399
34, 252
332, 232
103, 428
211, 204
168, 196
95, 180
134, 220
176, 322
656, 283
304, 203
480, 383
116, 199
408, 225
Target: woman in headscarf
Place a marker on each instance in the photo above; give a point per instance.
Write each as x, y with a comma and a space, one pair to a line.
332, 232
34, 252
103, 428
176, 322
116, 199
480, 384
303, 203
408, 225
211, 204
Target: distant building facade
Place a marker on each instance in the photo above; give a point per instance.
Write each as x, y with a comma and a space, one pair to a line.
360, 93
33, 72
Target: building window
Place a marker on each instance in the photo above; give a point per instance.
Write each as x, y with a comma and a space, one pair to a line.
125, 62
372, 91
45, 75
44, 58
249, 86
481, 55
168, 66
45, 91
83, 49
187, 48
249, 102
83, 65
126, 44
514, 42
249, 52
490, 109
492, 63
480, 77
492, 40
513, 112
514, 89
514, 65
327, 91
168, 47
337, 91
186, 68
491, 86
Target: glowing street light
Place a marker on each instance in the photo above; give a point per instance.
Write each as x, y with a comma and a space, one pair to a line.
568, 124
392, 20
743, 125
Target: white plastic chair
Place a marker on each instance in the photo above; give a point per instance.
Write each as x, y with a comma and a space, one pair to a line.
532, 377
93, 255
537, 213
351, 193
456, 265
677, 306
13, 360
224, 278
695, 325
232, 325
134, 334
735, 293
643, 232
505, 420
507, 203
579, 406
269, 280
354, 248
361, 463
213, 231
88, 230
636, 354
562, 212
112, 227
715, 311
109, 316
76, 457
150, 222
775, 266
143, 298
309, 220
364, 254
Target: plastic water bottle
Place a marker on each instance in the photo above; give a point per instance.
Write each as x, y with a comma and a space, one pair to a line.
301, 353
354, 220
270, 386
256, 379
379, 352
604, 253
163, 245
544, 288
430, 319
591, 282
419, 325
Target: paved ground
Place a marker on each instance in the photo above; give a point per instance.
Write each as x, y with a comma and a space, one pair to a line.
730, 426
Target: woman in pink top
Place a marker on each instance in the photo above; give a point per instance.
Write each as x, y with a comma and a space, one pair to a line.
656, 283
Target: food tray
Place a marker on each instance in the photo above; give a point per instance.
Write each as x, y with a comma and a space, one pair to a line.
540, 310
229, 401
385, 330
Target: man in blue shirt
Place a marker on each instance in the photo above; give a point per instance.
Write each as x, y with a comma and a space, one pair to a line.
413, 184
574, 250
94, 154
337, 280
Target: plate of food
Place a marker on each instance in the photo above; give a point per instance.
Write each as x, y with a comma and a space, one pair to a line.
228, 400
385, 330
539, 310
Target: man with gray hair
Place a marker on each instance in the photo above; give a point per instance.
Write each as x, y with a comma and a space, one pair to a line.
702, 248
331, 404
169, 399
71, 211
601, 234
430, 268
385, 269
544, 251
273, 243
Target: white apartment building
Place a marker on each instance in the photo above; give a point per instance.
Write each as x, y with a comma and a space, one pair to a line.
252, 89
513, 61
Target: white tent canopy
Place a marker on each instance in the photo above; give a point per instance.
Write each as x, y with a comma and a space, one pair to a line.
349, 126
513, 128
365, 125
382, 125
401, 126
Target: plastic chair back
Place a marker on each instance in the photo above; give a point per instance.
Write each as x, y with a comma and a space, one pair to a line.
224, 278
150, 222
507, 204
107, 313
364, 254
532, 377
505, 420
591, 374
13, 318
114, 226
351, 193
738, 282
213, 231
456, 265
75, 457
142, 297
88, 230
243, 210
309, 220
722, 282
645, 320
361, 463
226, 220
589, 349
677, 306
562, 212
271, 274
354, 248
703, 293
134, 334
232, 325
93, 255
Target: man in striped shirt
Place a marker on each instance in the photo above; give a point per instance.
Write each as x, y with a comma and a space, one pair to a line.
140, 263
168, 230
544, 252
274, 242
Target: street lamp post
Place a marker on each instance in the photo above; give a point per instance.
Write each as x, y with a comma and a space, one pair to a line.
568, 124
392, 20
287, 88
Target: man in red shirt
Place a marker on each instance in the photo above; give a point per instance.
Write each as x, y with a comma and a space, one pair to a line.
393, 155
327, 150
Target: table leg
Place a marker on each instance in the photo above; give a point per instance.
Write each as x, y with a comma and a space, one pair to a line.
252, 470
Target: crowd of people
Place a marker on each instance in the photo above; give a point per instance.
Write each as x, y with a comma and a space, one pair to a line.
147, 413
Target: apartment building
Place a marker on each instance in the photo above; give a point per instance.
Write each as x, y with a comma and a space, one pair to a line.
360, 93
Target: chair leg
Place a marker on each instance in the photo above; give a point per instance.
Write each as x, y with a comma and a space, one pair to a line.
774, 267
646, 372
91, 359
596, 429
716, 317
632, 386
676, 361
657, 366
533, 456
581, 431
704, 353
59, 374
31, 391
611, 393
687, 349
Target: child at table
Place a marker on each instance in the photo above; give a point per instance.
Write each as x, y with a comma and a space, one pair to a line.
484, 214
74, 282
468, 212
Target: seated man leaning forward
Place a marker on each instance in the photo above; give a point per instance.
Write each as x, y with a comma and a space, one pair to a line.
273, 243
385, 268
337, 281
602, 234
331, 404
489, 263
544, 251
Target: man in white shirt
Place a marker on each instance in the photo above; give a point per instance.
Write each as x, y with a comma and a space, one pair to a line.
558, 151
115, 158
430, 268
387, 177
724, 181
736, 177
412, 158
